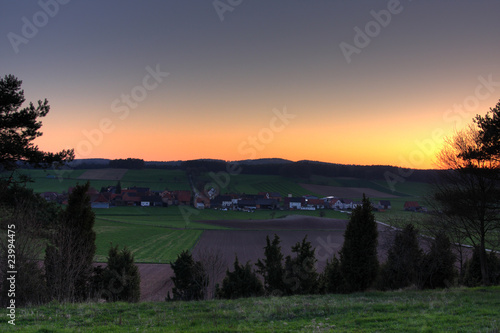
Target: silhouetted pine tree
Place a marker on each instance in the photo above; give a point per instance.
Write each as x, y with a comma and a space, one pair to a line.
121, 279
358, 256
331, 280
404, 261
241, 282
439, 263
190, 280
300, 271
271, 267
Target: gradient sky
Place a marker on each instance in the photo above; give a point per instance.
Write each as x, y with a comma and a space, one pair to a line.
269, 80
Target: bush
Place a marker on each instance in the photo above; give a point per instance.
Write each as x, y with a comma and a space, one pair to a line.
404, 261
473, 277
300, 271
331, 280
120, 279
190, 280
439, 264
241, 282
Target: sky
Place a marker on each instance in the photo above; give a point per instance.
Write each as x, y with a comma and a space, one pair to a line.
351, 82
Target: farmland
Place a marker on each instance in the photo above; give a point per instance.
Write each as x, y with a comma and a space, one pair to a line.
156, 235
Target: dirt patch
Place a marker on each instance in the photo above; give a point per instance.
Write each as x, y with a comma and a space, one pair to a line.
346, 192
103, 174
156, 281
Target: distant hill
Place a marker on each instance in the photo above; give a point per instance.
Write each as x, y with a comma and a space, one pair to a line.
303, 169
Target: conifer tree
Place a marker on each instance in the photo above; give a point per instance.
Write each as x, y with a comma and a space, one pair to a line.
241, 282
358, 256
121, 279
190, 280
439, 263
271, 267
404, 261
331, 280
69, 256
19, 127
300, 271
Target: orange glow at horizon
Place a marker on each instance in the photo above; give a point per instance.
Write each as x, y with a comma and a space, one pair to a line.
339, 144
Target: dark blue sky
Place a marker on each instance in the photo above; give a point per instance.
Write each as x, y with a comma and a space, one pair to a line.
228, 78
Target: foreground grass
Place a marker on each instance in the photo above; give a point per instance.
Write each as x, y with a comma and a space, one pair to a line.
462, 310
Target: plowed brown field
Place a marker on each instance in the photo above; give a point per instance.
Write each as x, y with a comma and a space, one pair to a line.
248, 241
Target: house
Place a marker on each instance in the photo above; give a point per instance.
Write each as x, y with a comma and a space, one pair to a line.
412, 206
168, 197
294, 202
201, 202
315, 203
50, 196
384, 204
271, 195
151, 200
131, 199
221, 201
336, 204
347, 203
100, 201
183, 197
141, 191
247, 204
266, 203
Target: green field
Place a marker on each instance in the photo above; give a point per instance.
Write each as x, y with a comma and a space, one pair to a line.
148, 244
156, 179
453, 310
152, 178
157, 234
253, 184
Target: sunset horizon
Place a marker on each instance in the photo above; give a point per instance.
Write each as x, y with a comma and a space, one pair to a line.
379, 83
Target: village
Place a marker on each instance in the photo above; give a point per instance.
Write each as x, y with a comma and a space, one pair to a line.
115, 196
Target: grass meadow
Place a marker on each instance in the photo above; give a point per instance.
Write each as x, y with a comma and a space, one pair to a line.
452, 310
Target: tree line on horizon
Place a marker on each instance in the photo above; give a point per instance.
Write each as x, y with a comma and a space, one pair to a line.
299, 169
